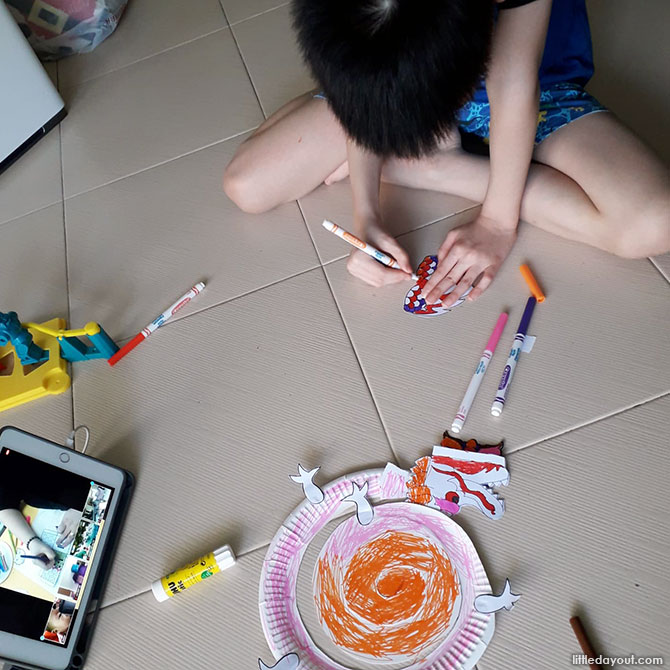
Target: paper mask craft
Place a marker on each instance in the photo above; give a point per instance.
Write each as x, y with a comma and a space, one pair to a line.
455, 476
305, 477
289, 662
398, 590
416, 305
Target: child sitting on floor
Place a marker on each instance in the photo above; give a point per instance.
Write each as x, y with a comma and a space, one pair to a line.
416, 93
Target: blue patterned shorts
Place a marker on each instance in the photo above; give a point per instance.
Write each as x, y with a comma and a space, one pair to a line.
560, 104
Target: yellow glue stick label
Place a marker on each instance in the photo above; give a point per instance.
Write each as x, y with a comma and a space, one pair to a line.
190, 574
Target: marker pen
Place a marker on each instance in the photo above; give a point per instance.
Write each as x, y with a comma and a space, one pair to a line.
512, 359
478, 376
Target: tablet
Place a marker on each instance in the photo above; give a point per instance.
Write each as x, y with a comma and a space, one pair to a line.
60, 515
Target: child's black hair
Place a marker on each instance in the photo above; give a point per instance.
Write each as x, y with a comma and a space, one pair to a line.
395, 72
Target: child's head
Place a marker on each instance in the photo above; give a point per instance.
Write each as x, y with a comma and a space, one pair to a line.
395, 71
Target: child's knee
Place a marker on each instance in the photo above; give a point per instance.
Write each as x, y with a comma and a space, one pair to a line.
646, 232
240, 185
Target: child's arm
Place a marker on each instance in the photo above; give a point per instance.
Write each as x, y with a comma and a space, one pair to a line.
365, 174
20, 528
513, 90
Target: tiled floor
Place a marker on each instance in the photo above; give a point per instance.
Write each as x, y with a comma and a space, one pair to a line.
286, 358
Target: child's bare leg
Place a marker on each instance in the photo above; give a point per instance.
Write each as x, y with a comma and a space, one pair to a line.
627, 184
594, 183
287, 157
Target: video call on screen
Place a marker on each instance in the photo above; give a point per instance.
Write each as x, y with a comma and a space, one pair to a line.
50, 526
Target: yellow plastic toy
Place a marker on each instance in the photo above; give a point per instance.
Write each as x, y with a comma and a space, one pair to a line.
34, 357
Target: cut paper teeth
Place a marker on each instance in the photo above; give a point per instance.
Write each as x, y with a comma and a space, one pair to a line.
415, 303
305, 477
364, 511
288, 662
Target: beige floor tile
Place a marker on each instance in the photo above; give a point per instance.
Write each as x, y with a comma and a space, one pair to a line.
136, 245
32, 267
602, 343
267, 43
403, 209
214, 414
239, 10
155, 110
663, 264
34, 181
214, 625
146, 28
583, 533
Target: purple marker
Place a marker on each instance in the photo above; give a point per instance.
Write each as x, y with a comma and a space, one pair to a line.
508, 372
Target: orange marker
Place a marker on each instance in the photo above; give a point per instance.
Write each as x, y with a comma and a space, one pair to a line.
534, 287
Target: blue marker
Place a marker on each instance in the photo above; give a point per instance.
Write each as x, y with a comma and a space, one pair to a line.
508, 372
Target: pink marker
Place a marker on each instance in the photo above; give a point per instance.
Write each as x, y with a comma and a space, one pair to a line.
476, 380
156, 323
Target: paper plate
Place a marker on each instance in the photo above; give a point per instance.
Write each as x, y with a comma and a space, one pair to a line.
454, 642
7, 553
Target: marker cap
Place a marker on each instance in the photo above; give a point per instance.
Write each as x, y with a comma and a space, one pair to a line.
456, 426
534, 287
159, 592
225, 558
497, 408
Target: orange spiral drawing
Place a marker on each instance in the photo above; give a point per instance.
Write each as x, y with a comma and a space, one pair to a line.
387, 594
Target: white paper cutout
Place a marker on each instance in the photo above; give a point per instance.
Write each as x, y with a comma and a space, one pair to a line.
364, 511
487, 604
528, 344
312, 492
288, 662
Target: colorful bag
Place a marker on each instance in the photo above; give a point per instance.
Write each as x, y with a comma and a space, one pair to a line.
61, 28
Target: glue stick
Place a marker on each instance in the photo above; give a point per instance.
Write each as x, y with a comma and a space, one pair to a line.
191, 574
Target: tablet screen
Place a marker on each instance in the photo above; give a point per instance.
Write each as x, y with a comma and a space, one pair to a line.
51, 521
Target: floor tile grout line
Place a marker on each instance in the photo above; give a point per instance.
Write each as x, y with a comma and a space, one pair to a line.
246, 67
591, 422
309, 232
157, 165
255, 16
362, 369
32, 211
248, 552
234, 298
441, 218
172, 47
351, 341
141, 60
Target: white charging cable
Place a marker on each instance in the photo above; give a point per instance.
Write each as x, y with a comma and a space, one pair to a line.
69, 441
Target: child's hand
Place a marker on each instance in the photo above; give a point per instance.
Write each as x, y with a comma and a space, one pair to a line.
468, 251
68, 528
44, 551
372, 272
